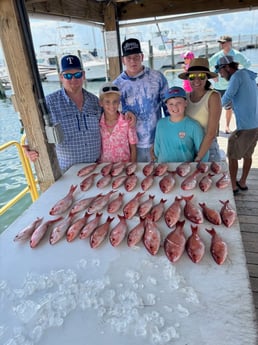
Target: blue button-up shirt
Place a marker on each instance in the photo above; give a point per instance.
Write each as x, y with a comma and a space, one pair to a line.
81, 142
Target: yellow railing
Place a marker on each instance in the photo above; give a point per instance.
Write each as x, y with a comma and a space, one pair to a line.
31, 182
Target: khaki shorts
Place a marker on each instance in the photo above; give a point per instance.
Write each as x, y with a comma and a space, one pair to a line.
241, 144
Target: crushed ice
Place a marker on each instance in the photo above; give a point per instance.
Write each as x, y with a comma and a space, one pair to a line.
136, 304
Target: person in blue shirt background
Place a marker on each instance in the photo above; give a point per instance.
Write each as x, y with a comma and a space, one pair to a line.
142, 91
178, 137
242, 91
221, 84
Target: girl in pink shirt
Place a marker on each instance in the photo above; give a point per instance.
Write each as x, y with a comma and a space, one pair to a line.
188, 57
117, 137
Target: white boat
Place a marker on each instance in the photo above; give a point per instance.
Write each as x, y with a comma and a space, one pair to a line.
47, 59
5, 83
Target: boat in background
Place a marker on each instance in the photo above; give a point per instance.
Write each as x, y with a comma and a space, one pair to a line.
50, 55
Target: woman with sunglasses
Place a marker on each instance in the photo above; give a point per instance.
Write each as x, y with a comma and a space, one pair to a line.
204, 105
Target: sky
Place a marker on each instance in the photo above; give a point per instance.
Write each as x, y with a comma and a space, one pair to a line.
233, 24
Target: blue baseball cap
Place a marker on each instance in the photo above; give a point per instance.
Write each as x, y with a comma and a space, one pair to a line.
223, 61
174, 92
70, 62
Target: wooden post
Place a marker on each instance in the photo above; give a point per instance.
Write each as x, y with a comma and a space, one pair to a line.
150, 55
172, 54
18, 63
112, 40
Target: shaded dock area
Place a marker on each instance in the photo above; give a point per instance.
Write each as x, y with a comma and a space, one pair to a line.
247, 210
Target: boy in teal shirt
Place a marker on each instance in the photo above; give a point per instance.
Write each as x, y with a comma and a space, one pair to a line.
178, 137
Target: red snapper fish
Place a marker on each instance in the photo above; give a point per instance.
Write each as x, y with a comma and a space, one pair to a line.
115, 204
191, 211
99, 203
76, 227
202, 167
167, 183
227, 213
157, 210
117, 234
210, 214
151, 237
174, 243
146, 206
106, 169
183, 169
173, 213
117, 168
104, 181
118, 181
131, 182
190, 181
135, 235
87, 169
59, 231
26, 233
206, 182
194, 246
88, 229
216, 167
223, 182
100, 233
218, 248
62, 205
40, 231
131, 168
82, 204
148, 169
160, 169
88, 182
132, 206
147, 182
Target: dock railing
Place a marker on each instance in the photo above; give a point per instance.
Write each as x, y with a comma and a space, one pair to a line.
31, 181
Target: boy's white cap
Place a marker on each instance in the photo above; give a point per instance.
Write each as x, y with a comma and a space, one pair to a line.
109, 88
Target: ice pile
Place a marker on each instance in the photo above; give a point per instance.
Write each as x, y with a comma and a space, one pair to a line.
134, 300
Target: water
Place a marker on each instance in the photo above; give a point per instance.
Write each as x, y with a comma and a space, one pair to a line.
12, 180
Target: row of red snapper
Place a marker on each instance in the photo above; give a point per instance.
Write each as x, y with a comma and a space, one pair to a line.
147, 230
111, 171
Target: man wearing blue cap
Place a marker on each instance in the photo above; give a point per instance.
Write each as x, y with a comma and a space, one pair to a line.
242, 91
178, 137
78, 112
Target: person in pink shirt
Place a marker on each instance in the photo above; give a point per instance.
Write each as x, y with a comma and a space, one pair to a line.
118, 138
188, 57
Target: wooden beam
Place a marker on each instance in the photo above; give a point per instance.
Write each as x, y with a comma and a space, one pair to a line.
148, 9
87, 10
92, 10
17, 59
112, 41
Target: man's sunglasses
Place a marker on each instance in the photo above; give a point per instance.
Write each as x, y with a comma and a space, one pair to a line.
193, 76
110, 88
76, 75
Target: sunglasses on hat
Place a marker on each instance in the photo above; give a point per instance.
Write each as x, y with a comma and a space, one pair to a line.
110, 88
193, 76
69, 76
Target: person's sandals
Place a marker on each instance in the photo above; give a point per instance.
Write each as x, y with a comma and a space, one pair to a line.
235, 191
240, 187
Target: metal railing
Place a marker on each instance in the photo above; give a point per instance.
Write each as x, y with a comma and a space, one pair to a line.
31, 181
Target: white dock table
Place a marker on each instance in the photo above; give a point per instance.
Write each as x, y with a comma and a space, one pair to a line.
69, 293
